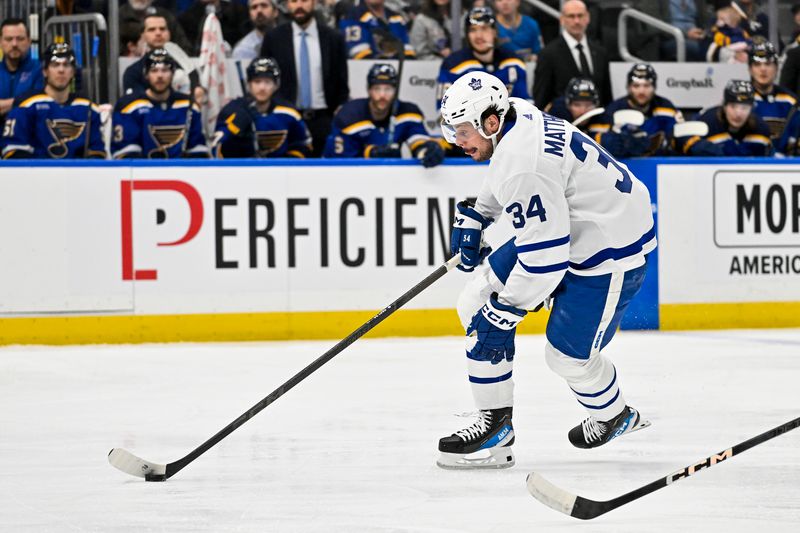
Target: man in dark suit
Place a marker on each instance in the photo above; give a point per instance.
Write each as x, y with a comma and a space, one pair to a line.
571, 55
313, 62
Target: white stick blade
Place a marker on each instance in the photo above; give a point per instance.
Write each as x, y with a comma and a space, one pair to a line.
550, 495
130, 464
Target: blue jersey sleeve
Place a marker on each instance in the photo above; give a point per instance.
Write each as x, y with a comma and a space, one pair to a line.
299, 139
126, 131
357, 38
97, 146
18, 133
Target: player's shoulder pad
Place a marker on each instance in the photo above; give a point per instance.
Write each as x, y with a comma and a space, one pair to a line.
663, 107
80, 100
408, 112
394, 17
283, 107
460, 62
182, 101
353, 116
505, 59
782, 94
616, 105
131, 103
31, 98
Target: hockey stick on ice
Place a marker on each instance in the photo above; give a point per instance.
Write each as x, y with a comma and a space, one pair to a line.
586, 509
135, 466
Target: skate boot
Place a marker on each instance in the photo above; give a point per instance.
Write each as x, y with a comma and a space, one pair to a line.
485, 444
592, 433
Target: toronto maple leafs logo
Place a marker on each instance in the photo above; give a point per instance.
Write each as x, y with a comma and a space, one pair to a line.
444, 100
475, 84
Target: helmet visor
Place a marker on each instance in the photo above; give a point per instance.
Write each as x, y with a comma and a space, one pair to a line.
449, 133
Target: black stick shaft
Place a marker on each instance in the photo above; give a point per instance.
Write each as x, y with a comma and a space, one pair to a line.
588, 509
173, 468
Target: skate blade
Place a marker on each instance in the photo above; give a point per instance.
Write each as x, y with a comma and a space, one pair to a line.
499, 457
641, 425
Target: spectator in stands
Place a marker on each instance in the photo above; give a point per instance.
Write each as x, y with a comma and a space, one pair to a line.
733, 129
263, 16
373, 31
54, 123
430, 31
19, 72
628, 138
579, 105
313, 62
571, 55
159, 123
377, 126
260, 124
689, 17
755, 18
482, 53
517, 33
773, 103
730, 38
131, 43
155, 34
233, 19
137, 10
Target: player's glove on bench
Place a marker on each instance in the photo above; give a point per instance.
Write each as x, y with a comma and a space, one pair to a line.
495, 325
430, 154
466, 237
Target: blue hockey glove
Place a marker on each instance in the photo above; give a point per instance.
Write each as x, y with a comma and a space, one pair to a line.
704, 148
495, 325
430, 154
385, 151
465, 239
634, 141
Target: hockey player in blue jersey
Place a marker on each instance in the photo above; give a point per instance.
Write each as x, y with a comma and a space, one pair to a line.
582, 225
259, 125
773, 103
483, 54
54, 123
579, 106
159, 123
373, 31
654, 136
377, 126
733, 128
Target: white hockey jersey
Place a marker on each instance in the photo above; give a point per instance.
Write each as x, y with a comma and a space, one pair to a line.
571, 204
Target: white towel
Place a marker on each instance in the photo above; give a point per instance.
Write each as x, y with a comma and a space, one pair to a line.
212, 72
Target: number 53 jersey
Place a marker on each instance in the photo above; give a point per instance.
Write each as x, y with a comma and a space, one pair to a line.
572, 206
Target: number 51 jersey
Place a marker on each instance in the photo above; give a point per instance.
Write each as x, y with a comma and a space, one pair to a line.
573, 207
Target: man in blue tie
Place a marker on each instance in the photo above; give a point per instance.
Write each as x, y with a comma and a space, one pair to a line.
313, 62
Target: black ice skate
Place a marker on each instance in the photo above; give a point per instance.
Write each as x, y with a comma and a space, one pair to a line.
487, 443
592, 433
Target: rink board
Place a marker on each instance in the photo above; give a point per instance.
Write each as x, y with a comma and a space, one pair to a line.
244, 250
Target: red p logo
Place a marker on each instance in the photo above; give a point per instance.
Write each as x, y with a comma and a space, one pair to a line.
195, 220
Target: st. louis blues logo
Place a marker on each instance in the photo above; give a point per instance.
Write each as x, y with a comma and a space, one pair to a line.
475, 84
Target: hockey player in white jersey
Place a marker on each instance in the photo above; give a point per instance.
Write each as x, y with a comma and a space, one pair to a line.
582, 227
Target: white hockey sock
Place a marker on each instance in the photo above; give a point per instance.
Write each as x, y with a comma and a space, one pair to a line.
593, 381
492, 385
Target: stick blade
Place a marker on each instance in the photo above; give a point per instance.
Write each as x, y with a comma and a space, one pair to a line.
550, 495
130, 464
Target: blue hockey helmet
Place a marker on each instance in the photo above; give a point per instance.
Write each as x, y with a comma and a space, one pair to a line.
158, 57
264, 67
58, 53
479, 16
762, 51
382, 73
642, 72
739, 92
582, 90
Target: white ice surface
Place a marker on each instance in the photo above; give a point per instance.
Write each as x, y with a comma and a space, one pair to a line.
352, 448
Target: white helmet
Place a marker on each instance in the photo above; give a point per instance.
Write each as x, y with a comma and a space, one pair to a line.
467, 99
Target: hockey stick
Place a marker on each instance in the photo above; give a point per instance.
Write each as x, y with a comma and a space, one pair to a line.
135, 466
586, 509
